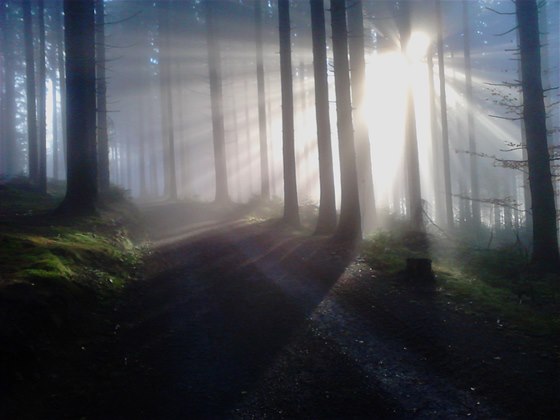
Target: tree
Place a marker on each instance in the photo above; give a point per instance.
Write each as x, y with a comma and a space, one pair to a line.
81, 169
349, 225
42, 102
326, 222
545, 242
102, 135
414, 196
217, 105
291, 210
8, 109
168, 133
475, 190
265, 183
444, 124
32, 139
358, 84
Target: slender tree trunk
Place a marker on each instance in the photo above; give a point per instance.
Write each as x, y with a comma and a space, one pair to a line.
444, 123
349, 225
55, 142
81, 190
217, 105
265, 182
439, 204
59, 31
42, 102
291, 210
414, 196
102, 135
8, 101
326, 222
32, 139
168, 132
358, 83
545, 241
475, 189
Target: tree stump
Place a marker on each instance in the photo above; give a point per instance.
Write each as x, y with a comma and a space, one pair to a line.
419, 269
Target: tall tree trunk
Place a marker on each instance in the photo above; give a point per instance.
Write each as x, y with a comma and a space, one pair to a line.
55, 142
545, 241
414, 196
166, 95
59, 31
349, 225
291, 210
8, 101
439, 204
444, 123
102, 135
475, 189
217, 105
265, 182
81, 174
358, 83
32, 139
326, 222
42, 102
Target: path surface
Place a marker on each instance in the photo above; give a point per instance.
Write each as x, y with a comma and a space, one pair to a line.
251, 321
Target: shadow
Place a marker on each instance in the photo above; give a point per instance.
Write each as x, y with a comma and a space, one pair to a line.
195, 340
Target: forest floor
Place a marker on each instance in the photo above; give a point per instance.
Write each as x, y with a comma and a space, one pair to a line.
238, 319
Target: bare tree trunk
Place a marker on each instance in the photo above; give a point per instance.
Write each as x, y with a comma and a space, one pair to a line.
291, 210
10, 150
414, 197
59, 30
545, 241
55, 134
167, 128
358, 83
349, 225
326, 222
217, 105
444, 126
265, 182
42, 102
32, 139
475, 189
102, 136
81, 190
439, 213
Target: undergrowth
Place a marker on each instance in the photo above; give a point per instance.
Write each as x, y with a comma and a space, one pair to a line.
493, 283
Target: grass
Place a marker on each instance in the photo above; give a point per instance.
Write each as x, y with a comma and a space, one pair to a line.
492, 283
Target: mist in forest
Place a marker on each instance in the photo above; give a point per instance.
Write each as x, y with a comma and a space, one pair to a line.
193, 103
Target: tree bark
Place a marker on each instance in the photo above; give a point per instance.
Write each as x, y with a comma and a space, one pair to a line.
42, 102
349, 225
217, 105
263, 141
81, 173
32, 138
291, 210
59, 25
475, 189
545, 242
358, 84
102, 135
10, 149
444, 123
326, 221
414, 197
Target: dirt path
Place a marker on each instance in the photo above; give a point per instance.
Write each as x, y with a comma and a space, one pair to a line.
249, 321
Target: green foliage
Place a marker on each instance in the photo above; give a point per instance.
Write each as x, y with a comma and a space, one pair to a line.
494, 283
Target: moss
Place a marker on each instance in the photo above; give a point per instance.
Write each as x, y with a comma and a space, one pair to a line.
484, 282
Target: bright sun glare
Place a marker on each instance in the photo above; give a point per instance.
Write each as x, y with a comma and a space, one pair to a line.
388, 77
